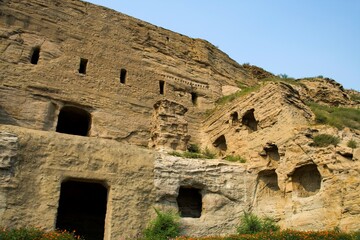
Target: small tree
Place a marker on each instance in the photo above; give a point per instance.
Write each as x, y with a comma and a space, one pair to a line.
165, 226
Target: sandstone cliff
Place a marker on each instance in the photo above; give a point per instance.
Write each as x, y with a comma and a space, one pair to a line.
91, 97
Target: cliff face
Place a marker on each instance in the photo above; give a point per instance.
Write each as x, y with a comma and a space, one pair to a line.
125, 61
84, 90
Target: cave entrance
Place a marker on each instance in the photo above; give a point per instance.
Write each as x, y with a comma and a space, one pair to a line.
268, 179
272, 151
73, 120
306, 180
82, 208
189, 202
220, 143
249, 120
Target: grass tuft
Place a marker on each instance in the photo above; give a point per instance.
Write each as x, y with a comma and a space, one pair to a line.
324, 140
235, 158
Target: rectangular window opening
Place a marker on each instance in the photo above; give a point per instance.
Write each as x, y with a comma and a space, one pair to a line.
123, 75
83, 64
162, 86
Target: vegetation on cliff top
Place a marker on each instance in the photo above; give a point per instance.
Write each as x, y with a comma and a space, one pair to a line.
338, 117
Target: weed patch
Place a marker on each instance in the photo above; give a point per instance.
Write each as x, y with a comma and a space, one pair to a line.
324, 140
352, 144
235, 158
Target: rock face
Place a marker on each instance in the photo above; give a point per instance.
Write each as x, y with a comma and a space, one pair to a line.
325, 91
85, 90
42, 161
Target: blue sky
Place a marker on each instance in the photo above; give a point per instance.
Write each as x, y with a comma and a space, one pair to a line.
299, 38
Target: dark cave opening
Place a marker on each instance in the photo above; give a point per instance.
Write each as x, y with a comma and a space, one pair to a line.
73, 120
306, 180
189, 202
220, 143
82, 208
249, 120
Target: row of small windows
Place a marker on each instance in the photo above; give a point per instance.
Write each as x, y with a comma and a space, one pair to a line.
35, 55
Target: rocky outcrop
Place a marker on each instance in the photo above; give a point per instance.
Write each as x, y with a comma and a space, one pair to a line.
170, 129
247, 124
324, 91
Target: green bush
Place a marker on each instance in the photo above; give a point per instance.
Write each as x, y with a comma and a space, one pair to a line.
165, 226
352, 144
235, 158
250, 224
35, 234
324, 140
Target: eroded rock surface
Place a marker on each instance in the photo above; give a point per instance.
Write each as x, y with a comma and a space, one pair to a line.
84, 90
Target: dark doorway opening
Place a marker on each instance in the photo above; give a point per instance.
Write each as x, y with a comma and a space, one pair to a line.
73, 120
249, 120
189, 202
122, 76
83, 65
82, 208
220, 143
194, 98
162, 86
35, 55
